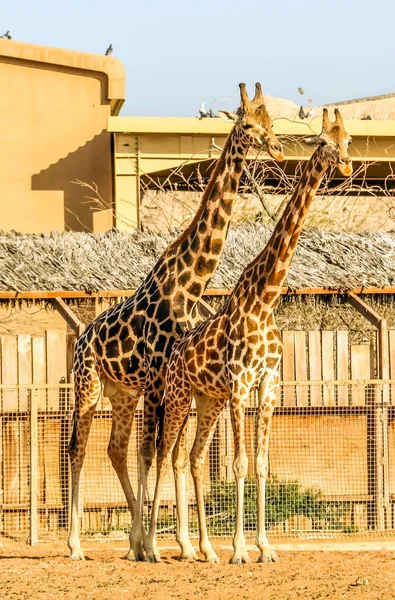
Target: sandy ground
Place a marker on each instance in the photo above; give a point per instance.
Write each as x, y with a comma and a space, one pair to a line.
44, 571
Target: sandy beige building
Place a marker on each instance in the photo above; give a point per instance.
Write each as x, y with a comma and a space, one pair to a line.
54, 109
60, 123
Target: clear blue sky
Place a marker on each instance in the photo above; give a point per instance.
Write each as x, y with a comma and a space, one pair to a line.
178, 53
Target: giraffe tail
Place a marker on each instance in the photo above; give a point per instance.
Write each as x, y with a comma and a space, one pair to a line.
72, 446
160, 417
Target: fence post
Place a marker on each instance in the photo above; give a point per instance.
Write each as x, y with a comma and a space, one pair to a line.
380, 432
380, 468
33, 538
384, 374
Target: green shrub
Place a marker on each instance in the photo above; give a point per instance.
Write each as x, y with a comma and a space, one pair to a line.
283, 500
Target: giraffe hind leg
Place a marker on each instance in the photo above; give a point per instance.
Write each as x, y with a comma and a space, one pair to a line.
207, 417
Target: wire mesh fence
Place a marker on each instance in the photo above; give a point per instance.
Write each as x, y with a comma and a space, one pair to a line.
331, 465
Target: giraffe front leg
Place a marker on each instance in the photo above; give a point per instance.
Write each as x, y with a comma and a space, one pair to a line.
180, 469
73, 542
176, 405
240, 466
82, 421
152, 401
123, 410
267, 394
150, 547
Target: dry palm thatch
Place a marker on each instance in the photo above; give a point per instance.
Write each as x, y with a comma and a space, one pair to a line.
117, 260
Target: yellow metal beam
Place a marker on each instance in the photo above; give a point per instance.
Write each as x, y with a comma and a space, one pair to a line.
215, 127
166, 144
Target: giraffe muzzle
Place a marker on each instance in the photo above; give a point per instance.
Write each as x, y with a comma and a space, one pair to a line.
345, 166
275, 150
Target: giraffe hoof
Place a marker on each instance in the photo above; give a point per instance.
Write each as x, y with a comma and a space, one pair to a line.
77, 555
268, 556
135, 556
239, 559
153, 558
212, 560
188, 556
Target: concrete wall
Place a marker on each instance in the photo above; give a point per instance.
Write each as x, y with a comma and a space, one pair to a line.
54, 109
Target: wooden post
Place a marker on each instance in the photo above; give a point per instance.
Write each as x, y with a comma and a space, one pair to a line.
71, 319
315, 367
342, 356
384, 374
328, 369
289, 398
379, 420
33, 538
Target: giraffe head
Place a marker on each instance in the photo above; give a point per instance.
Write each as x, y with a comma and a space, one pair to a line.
335, 137
255, 123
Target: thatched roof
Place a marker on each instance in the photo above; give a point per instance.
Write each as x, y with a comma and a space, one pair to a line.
115, 260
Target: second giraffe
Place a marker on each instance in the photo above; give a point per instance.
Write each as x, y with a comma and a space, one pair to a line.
224, 357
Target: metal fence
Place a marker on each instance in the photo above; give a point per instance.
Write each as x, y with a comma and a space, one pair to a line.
331, 464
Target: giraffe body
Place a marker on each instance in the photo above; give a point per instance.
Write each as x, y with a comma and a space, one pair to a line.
238, 348
126, 349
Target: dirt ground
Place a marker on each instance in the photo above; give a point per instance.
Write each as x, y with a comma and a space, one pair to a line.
44, 571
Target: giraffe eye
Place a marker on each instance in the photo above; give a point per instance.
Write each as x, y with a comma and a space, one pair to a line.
350, 141
247, 126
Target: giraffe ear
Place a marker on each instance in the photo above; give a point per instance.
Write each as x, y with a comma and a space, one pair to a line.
228, 117
313, 140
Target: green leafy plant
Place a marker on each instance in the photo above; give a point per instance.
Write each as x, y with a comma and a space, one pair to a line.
284, 499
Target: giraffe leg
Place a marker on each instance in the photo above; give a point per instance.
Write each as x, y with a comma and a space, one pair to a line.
266, 402
123, 410
152, 400
177, 404
207, 416
87, 393
240, 465
180, 468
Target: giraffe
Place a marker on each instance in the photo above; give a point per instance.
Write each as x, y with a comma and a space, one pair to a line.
124, 351
225, 356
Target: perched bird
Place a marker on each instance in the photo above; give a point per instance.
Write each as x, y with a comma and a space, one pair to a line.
301, 114
300, 90
310, 112
6, 35
202, 111
109, 50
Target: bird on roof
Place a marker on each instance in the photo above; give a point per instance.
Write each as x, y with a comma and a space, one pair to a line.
109, 50
300, 90
202, 111
6, 36
301, 114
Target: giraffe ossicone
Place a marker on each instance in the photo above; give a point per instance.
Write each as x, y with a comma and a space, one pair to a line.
234, 350
126, 348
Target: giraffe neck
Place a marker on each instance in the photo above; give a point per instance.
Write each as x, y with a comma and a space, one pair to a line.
264, 277
193, 258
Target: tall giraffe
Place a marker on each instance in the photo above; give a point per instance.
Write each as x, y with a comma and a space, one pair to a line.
224, 357
126, 349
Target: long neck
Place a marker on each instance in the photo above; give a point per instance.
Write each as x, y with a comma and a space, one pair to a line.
194, 256
264, 277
